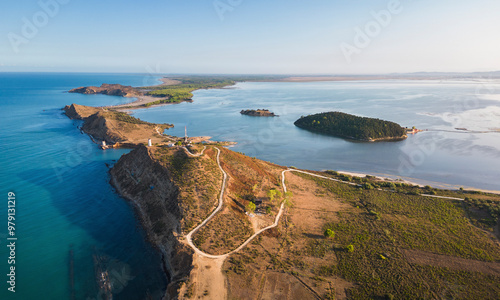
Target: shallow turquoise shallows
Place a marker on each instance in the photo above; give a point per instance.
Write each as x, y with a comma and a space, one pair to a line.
66, 211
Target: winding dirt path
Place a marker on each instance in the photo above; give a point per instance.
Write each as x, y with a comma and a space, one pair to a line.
200, 154
208, 277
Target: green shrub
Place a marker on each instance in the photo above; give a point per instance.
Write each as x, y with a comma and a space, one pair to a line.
251, 207
329, 233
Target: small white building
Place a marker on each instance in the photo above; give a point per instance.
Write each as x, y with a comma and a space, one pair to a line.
149, 143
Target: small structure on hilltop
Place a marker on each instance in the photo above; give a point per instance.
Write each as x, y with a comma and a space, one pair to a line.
412, 130
104, 145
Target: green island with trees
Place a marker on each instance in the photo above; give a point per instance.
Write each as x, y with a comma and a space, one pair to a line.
352, 127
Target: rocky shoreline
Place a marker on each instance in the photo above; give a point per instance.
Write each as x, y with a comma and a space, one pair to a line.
158, 211
147, 184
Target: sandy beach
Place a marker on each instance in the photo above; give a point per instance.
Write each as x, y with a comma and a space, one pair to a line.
145, 99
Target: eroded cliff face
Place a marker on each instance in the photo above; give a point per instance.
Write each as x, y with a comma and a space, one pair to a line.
97, 126
95, 123
139, 178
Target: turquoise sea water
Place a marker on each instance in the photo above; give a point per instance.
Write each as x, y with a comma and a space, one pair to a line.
442, 156
66, 212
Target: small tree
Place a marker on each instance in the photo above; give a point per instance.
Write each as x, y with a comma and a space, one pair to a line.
329, 233
368, 186
251, 207
350, 248
271, 194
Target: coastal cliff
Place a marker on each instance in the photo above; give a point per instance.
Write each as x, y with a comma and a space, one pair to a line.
149, 186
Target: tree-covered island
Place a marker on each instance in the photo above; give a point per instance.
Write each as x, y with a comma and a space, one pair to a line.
352, 127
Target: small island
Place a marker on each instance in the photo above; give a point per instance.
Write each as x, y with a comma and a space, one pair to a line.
352, 127
258, 113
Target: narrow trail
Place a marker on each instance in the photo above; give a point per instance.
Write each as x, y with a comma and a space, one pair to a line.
442, 197
219, 207
200, 154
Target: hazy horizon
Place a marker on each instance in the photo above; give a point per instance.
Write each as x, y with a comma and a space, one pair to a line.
250, 37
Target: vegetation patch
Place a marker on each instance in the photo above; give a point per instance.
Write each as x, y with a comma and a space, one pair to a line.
199, 180
222, 234
351, 127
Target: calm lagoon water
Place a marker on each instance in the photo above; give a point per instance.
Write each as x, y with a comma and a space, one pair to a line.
442, 156
66, 212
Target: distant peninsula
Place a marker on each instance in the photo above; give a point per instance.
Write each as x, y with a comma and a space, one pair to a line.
108, 89
352, 127
258, 113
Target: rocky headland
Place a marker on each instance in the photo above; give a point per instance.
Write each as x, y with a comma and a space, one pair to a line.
109, 89
116, 129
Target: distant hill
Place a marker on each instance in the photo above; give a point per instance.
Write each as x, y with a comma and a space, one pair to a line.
352, 127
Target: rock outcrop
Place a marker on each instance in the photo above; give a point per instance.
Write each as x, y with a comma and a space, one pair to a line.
148, 185
80, 112
258, 113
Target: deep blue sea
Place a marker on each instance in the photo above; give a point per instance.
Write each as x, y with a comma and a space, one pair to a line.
66, 211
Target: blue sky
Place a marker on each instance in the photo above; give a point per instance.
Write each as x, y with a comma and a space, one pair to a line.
244, 36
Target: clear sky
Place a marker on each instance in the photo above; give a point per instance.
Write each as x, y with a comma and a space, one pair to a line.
250, 36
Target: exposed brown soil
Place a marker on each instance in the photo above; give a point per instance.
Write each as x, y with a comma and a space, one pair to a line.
206, 280
256, 272
455, 263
